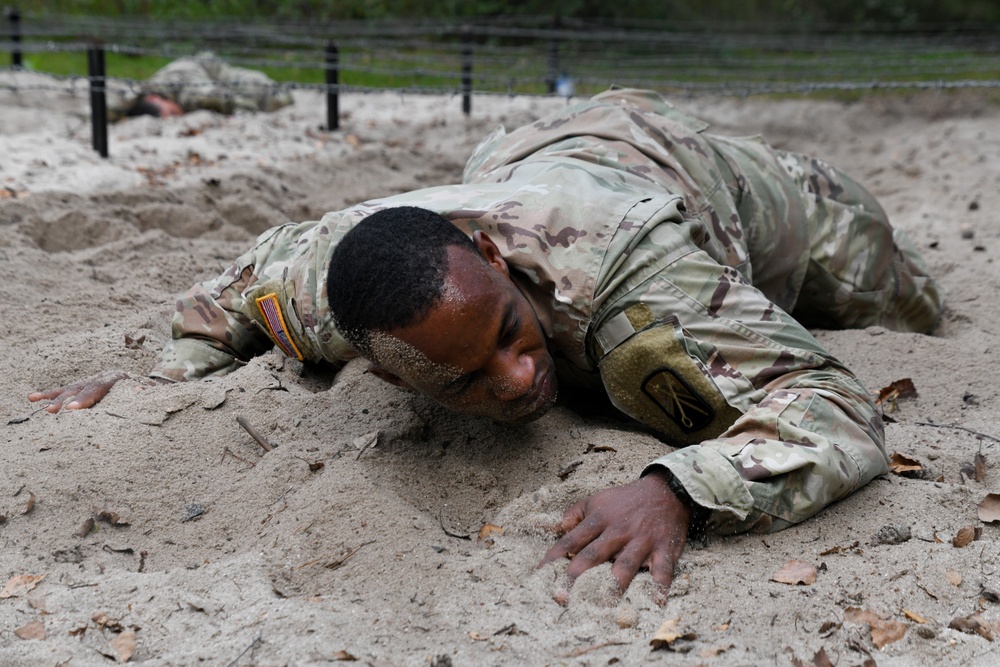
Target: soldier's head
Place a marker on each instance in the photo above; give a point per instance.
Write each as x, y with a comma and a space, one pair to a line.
437, 312
151, 104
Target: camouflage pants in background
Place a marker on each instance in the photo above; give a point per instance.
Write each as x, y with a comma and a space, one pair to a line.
861, 271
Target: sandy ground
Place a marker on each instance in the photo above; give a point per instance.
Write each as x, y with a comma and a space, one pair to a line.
208, 551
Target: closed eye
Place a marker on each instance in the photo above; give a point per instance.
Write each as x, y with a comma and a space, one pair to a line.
510, 331
511, 323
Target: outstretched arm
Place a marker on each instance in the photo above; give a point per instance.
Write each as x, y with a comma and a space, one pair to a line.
793, 431
219, 325
210, 334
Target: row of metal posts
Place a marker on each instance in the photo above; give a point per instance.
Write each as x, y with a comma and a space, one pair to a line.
98, 82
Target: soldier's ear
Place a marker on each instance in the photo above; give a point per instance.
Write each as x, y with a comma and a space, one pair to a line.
490, 252
389, 377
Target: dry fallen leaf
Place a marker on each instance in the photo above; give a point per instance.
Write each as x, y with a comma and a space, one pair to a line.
102, 620
819, 659
33, 630
20, 584
668, 633
85, 527
714, 651
487, 532
124, 645
842, 550
989, 508
110, 516
905, 466
134, 343
899, 389
344, 656
796, 572
979, 467
964, 537
954, 578
883, 631
510, 629
37, 602
914, 616
31, 503
973, 624
569, 469
476, 637
365, 442
828, 628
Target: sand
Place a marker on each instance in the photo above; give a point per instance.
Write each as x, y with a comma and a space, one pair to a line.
361, 535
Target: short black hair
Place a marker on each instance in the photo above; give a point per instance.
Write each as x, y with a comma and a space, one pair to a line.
388, 271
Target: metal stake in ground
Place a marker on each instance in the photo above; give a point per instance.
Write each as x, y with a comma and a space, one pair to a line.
332, 87
14, 16
98, 98
466, 70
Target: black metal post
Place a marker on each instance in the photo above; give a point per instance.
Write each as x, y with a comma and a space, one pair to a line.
332, 87
98, 98
466, 70
14, 16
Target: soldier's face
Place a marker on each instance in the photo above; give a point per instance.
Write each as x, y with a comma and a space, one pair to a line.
165, 107
480, 350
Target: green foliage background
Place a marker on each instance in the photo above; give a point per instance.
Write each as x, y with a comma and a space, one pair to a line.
804, 14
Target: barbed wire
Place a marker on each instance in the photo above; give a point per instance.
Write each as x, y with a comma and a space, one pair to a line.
77, 84
526, 56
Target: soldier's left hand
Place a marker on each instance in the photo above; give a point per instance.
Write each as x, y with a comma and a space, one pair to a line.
641, 524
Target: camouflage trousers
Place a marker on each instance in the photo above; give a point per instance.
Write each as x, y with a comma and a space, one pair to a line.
860, 271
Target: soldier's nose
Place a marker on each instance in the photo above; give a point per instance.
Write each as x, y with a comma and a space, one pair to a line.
515, 379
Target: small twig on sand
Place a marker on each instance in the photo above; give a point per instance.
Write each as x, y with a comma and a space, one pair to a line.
21, 420
337, 562
249, 649
577, 652
231, 454
254, 434
960, 428
447, 532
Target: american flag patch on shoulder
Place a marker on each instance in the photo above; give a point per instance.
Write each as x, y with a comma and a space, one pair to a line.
271, 310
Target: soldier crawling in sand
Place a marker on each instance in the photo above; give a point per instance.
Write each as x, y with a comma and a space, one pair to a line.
204, 81
617, 247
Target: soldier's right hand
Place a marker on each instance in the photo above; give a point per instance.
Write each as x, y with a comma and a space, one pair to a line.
79, 395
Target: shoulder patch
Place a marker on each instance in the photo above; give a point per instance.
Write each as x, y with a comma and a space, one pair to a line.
677, 400
271, 310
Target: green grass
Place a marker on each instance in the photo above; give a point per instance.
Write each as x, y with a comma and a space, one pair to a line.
75, 64
142, 67
502, 71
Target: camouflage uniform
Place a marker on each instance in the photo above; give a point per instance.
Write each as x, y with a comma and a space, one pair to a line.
206, 82
663, 264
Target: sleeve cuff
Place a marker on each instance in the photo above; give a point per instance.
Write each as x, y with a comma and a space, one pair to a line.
709, 480
188, 359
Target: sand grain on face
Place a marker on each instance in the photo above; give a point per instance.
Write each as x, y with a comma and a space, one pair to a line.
409, 363
375, 552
